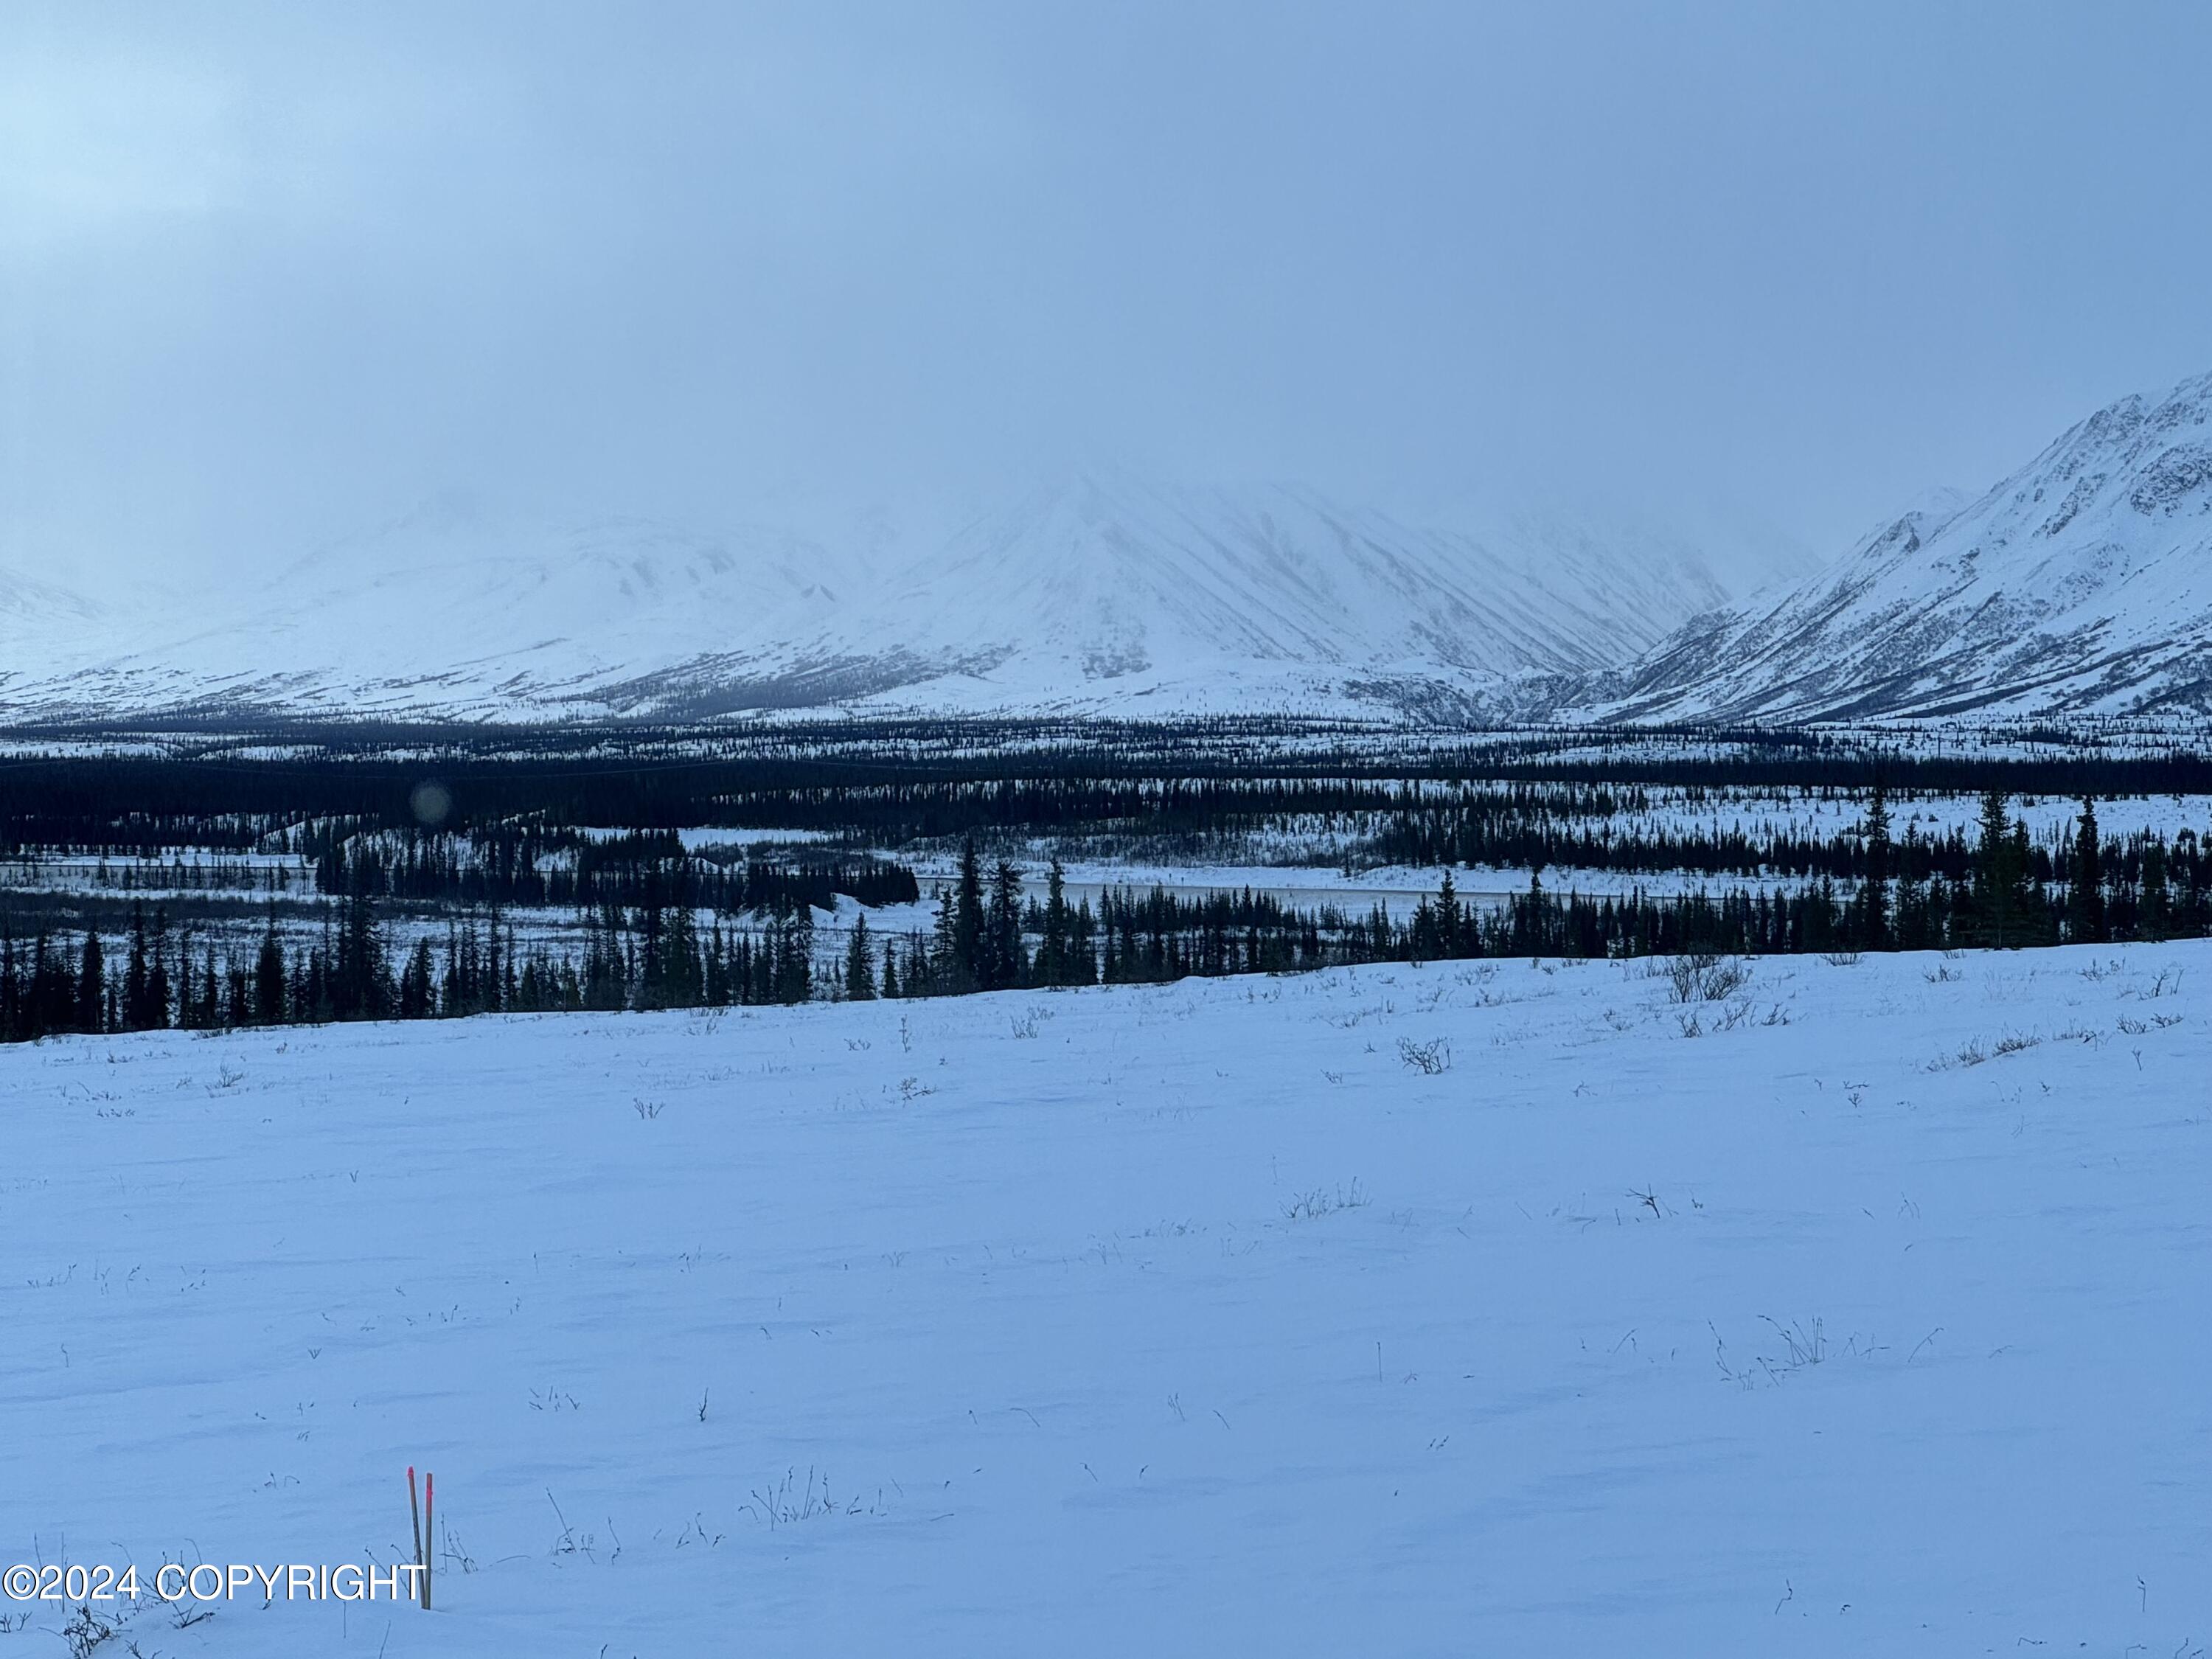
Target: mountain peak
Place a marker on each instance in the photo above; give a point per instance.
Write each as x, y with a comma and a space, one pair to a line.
2080, 583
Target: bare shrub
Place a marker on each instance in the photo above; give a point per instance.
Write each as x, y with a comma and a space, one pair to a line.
1430, 1059
1318, 1201
783, 1504
1802, 1345
1702, 977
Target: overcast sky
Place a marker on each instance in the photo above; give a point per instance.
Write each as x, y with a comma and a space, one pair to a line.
269, 274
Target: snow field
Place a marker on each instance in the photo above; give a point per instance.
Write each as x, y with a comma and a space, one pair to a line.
1188, 1319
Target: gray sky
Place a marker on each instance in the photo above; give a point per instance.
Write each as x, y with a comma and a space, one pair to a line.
268, 274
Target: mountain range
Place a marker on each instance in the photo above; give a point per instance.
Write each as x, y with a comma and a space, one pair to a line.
2081, 584
1097, 594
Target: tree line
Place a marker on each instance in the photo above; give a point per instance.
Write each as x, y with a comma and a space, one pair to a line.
533, 866
887, 782
987, 935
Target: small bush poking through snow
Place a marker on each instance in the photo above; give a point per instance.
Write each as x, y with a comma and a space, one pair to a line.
1701, 976
1430, 1059
1312, 1205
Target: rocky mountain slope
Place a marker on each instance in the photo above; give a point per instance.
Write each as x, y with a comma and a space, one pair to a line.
2083, 584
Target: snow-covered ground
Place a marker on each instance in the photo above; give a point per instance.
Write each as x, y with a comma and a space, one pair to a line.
1184, 1320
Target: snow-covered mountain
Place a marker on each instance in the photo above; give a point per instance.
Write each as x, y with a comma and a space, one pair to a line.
1095, 595
2083, 584
38, 618
1107, 594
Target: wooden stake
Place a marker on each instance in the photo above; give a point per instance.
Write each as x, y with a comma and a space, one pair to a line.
414, 1515
430, 1535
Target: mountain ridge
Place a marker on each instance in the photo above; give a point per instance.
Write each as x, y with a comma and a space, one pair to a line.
2080, 584
1092, 593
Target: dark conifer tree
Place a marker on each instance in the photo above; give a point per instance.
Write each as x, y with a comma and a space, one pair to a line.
12, 990
1054, 958
794, 956
135, 1014
269, 976
2085, 888
859, 964
418, 993
2155, 915
2000, 891
715, 985
1084, 957
157, 968
1003, 964
942, 971
2038, 926
91, 984
240, 1011
1451, 920
1874, 889
968, 920
189, 1003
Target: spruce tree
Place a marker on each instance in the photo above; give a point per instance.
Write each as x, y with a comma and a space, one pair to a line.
157, 969
91, 984
188, 990
12, 989
2084, 889
943, 972
968, 923
1004, 963
714, 988
859, 964
2155, 919
1053, 964
2038, 926
135, 1017
269, 976
1082, 947
417, 992
1875, 894
794, 965
2000, 890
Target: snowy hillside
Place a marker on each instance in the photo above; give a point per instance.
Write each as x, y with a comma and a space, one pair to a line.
2081, 584
447, 609
42, 623
1176, 1319
1096, 595
1110, 594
